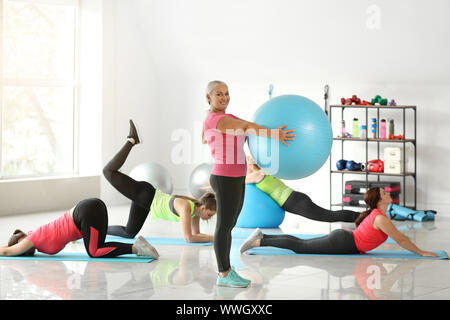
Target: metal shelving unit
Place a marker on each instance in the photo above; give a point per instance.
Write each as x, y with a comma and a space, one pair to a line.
378, 142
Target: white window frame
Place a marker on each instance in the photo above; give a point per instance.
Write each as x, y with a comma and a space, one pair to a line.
30, 82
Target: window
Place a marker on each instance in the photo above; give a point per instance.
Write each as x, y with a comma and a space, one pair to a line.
38, 87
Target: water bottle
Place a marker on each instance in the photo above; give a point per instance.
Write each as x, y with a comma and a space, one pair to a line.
355, 128
391, 127
374, 127
383, 129
363, 131
342, 128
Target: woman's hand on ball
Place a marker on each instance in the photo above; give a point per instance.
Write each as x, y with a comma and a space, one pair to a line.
284, 135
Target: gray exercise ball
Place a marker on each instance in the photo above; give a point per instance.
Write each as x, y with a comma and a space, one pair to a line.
199, 180
155, 174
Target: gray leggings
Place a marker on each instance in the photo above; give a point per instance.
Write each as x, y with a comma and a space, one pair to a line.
230, 193
338, 241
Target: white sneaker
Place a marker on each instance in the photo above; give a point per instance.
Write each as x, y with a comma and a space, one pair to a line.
145, 249
257, 234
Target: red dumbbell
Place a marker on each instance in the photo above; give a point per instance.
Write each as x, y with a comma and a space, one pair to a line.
355, 99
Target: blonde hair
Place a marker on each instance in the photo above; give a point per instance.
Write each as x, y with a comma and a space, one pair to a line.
209, 89
212, 84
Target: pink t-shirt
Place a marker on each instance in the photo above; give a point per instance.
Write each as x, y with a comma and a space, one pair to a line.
366, 236
52, 237
227, 150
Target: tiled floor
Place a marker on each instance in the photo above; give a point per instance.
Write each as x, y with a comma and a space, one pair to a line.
189, 272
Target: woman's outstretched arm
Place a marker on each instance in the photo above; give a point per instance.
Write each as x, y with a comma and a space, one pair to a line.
240, 127
17, 249
384, 224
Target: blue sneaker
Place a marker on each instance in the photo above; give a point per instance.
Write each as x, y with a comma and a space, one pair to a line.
242, 279
232, 280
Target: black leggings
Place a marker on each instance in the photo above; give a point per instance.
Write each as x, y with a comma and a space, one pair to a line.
91, 218
338, 241
140, 193
299, 203
230, 193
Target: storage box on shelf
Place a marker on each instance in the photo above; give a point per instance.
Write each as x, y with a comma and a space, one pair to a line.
393, 160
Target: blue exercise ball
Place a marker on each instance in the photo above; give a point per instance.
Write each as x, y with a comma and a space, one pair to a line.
259, 210
311, 146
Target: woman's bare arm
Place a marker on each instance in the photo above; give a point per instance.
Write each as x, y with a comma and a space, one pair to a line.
189, 234
17, 249
384, 224
241, 127
255, 177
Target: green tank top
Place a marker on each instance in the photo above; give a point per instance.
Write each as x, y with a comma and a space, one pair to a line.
160, 208
275, 188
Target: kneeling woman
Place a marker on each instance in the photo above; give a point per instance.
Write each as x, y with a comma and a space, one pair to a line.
373, 228
88, 220
145, 198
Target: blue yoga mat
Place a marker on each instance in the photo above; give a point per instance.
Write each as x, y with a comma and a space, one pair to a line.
156, 240
400, 213
394, 254
244, 234
80, 256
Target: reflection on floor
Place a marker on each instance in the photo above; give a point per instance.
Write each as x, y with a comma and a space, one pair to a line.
189, 272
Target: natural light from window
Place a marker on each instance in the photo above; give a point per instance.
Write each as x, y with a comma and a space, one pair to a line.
38, 85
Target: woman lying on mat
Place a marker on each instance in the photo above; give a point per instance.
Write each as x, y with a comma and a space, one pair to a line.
293, 201
87, 220
145, 198
373, 228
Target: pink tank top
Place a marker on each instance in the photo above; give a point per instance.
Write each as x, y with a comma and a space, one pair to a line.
366, 236
52, 237
227, 150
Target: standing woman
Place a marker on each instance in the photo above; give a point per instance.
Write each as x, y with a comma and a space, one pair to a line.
225, 135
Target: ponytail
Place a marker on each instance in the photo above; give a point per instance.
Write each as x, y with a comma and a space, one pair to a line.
371, 198
195, 201
362, 216
208, 199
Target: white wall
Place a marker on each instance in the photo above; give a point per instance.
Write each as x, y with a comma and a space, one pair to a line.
129, 92
159, 55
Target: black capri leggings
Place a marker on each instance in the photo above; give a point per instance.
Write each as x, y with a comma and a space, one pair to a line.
338, 241
91, 218
300, 204
230, 193
140, 193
